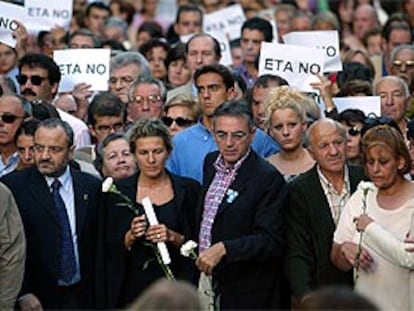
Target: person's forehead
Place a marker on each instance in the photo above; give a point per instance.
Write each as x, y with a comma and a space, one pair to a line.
145, 87
33, 69
253, 33
233, 123
129, 69
82, 38
405, 54
389, 85
10, 104
189, 15
204, 43
209, 78
99, 120
57, 134
98, 11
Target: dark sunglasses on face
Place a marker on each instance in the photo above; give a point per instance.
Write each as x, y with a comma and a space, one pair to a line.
354, 131
182, 122
9, 118
35, 79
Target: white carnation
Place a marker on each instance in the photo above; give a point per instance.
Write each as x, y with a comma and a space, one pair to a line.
107, 184
187, 248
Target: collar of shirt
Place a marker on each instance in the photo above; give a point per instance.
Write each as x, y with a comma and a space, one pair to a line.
221, 167
65, 179
328, 186
11, 165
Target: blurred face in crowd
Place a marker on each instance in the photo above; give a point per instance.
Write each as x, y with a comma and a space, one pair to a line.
24, 144
397, 37
189, 22
200, 53
178, 118
11, 117
233, 137
81, 42
403, 65
156, 58
287, 129
8, 58
118, 161
178, 72
364, 20
353, 138
105, 125
250, 44
374, 45
96, 20
393, 99
121, 79
146, 102
51, 151
34, 83
328, 147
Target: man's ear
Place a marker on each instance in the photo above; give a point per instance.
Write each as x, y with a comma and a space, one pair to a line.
71, 152
231, 93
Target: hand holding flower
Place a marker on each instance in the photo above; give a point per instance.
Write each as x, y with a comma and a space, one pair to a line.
137, 230
210, 258
350, 252
362, 222
157, 233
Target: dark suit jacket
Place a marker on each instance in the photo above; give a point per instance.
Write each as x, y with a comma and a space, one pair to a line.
115, 221
251, 228
310, 234
42, 229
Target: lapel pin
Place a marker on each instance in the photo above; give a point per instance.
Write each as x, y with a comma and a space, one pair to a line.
85, 197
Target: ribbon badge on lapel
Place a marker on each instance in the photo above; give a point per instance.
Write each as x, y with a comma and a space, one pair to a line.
231, 195
85, 197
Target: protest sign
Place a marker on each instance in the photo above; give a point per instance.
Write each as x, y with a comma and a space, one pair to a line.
83, 65
327, 41
228, 20
367, 104
298, 65
44, 14
11, 13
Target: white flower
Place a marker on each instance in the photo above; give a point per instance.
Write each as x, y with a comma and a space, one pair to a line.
188, 248
366, 186
107, 184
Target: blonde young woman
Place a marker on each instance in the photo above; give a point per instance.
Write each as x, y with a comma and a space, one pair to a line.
286, 123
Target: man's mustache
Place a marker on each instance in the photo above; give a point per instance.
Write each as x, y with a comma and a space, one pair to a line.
28, 92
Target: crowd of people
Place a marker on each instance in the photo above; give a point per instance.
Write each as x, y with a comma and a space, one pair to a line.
291, 201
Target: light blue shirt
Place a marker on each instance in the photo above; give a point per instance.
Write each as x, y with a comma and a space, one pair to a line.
68, 196
191, 146
10, 166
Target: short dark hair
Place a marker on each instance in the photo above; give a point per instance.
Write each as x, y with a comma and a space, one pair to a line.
189, 8
84, 32
396, 21
56, 123
106, 104
259, 24
42, 61
221, 70
153, 43
177, 52
216, 44
43, 110
152, 27
264, 80
351, 115
27, 128
96, 5
235, 108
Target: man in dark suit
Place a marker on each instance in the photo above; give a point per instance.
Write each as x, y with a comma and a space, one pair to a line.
315, 201
239, 217
59, 208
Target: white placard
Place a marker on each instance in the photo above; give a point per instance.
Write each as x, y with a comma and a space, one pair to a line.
9, 14
297, 64
46, 14
152, 220
228, 20
83, 65
327, 41
221, 37
367, 104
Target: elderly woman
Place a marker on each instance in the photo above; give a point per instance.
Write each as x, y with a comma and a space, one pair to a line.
286, 123
114, 158
180, 112
130, 263
389, 201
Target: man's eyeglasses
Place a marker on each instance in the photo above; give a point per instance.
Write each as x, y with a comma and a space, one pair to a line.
354, 131
236, 136
35, 79
180, 121
153, 100
407, 63
117, 127
9, 118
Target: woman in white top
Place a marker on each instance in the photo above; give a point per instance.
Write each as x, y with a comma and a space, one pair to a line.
286, 123
389, 200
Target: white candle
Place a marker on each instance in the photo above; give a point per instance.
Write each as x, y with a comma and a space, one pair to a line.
152, 219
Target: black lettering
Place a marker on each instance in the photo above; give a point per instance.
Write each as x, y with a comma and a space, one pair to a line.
268, 64
303, 68
101, 69
8, 24
315, 68
64, 14
331, 51
288, 67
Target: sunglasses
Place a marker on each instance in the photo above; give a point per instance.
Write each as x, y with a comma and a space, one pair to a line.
354, 131
35, 79
9, 118
182, 122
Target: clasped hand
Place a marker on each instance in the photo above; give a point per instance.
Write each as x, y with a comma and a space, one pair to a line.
154, 234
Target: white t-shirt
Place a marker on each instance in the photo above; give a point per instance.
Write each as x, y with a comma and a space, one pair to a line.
387, 285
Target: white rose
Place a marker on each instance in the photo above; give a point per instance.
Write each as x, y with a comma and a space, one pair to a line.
366, 186
187, 248
107, 184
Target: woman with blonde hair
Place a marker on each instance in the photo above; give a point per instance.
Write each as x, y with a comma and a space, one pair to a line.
286, 123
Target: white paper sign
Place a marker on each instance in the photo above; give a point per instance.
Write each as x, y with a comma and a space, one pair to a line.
228, 20
367, 104
83, 65
9, 14
327, 41
297, 64
152, 220
221, 37
46, 14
